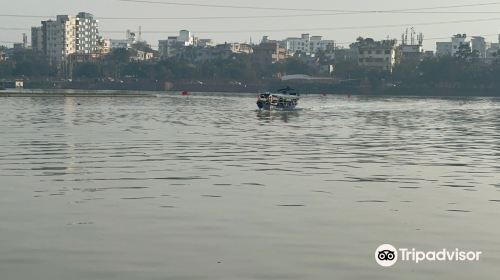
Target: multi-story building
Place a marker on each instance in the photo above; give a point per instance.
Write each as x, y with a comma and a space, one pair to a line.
170, 47
443, 48
493, 52
294, 44
479, 45
458, 41
485, 50
174, 44
186, 37
307, 44
411, 48
119, 44
65, 36
344, 55
269, 53
123, 43
142, 55
411, 52
87, 33
237, 47
379, 55
37, 39
59, 38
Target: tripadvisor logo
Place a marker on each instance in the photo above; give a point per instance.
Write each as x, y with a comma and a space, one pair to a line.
387, 255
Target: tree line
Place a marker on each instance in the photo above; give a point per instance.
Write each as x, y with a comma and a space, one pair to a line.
464, 69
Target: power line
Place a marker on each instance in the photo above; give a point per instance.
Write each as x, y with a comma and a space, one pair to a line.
255, 16
303, 9
329, 28
184, 18
295, 29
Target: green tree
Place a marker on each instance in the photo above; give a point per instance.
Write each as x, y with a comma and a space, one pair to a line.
465, 53
31, 64
87, 70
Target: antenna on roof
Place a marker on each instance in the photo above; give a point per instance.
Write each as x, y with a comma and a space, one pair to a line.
140, 33
420, 38
25, 40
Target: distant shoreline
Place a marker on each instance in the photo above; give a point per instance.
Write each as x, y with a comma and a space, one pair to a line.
172, 93
74, 93
106, 93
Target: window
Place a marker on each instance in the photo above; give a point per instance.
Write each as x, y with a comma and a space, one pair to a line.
379, 52
387, 51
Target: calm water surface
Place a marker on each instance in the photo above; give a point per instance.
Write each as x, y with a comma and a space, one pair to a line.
209, 188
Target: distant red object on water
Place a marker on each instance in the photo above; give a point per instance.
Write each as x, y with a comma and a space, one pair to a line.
185, 93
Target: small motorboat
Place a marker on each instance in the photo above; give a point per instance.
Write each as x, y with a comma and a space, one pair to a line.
284, 99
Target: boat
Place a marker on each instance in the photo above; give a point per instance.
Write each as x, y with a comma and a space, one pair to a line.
284, 99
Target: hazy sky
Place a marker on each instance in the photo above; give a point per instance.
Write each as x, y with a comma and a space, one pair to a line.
331, 26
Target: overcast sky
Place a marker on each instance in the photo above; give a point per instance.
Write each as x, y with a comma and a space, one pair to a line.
233, 30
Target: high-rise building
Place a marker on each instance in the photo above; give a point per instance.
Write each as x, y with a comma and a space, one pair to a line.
65, 36
37, 39
87, 33
59, 38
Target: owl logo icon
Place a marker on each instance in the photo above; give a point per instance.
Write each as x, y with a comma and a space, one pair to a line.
386, 255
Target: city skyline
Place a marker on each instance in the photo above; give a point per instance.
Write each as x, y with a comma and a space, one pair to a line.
252, 23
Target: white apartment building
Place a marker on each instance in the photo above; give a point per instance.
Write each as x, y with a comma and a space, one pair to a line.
65, 36
480, 45
123, 43
307, 44
451, 48
379, 55
476, 43
171, 47
237, 47
457, 41
87, 33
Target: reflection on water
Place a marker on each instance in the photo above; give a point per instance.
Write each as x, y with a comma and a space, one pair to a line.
284, 116
208, 187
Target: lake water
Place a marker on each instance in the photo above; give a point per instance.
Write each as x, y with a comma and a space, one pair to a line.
206, 187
